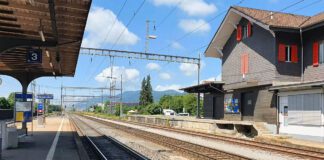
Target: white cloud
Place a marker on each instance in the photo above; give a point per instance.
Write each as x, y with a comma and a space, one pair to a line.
191, 69
219, 77
188, 69
153, 66
190, 7
99, 23
189, 25
168, 87
165, 76
176, 45
130, 76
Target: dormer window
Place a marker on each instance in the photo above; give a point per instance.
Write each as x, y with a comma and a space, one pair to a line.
318, 53
243, 31
287, 53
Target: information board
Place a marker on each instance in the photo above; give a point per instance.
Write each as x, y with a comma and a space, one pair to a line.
23, 111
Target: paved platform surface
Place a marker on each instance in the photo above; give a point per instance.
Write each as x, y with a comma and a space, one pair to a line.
46, 143
271, 138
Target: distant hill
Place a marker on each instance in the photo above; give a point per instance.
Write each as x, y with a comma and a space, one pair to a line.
133, 97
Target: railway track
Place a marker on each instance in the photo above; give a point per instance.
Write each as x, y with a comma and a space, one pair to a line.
298, 152
292, 151
105, 147
187, 149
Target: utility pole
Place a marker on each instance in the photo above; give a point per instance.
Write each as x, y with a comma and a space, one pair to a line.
121, 96
62, 108
198, 94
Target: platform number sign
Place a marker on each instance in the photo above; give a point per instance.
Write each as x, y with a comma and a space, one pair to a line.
34, 56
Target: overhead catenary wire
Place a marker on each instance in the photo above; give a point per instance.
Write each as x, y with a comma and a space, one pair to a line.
117, 40
197, 28
129, 22
306, 6
115, 20
169, 14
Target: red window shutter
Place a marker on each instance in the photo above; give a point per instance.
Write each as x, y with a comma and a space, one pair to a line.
246, 64
249, 29
239, 33
294, 54
242, 63
281, 52
315, 54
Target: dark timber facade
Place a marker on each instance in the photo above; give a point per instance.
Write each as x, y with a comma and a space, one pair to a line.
264, 49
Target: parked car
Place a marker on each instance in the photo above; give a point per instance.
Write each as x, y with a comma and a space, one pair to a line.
169, 112
183, 114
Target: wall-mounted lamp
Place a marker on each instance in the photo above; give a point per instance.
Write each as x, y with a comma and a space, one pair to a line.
51, 64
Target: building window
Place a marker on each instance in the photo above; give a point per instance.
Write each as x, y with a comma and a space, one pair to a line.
245, 32
288, 53
321, 52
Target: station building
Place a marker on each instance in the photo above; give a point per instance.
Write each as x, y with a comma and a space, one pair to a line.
272, 70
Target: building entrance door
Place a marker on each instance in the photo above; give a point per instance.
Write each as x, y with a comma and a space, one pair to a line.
247, 108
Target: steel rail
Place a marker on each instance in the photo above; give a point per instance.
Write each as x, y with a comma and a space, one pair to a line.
300, 152
195, 151
90, 142
120, 145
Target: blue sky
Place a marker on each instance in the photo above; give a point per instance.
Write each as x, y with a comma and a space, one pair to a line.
187, 15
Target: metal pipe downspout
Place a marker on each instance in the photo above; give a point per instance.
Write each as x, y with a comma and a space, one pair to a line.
302, 54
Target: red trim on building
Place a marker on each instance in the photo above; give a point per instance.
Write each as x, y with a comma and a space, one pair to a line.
282, 52
244, 63
239, 33
294, 53
315, 54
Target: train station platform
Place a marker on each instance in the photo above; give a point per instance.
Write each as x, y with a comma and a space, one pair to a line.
53, 141
258, 131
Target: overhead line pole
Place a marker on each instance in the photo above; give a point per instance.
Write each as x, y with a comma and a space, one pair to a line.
147, 56
138, 55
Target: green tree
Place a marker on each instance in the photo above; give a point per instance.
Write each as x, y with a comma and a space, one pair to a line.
148, 89
146, 95
97, 109
153, 108
142, 98
11, 99
4, 104
165, 101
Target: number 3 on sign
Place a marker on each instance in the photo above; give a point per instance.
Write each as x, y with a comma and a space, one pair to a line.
34, 56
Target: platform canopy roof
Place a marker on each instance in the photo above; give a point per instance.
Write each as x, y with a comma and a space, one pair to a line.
53, 27
206, 87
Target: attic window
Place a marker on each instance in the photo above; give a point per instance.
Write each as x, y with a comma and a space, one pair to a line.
288, 53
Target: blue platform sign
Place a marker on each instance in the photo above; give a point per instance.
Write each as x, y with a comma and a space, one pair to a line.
23, 96
40, 106
45, 96
34, 56
27, 116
